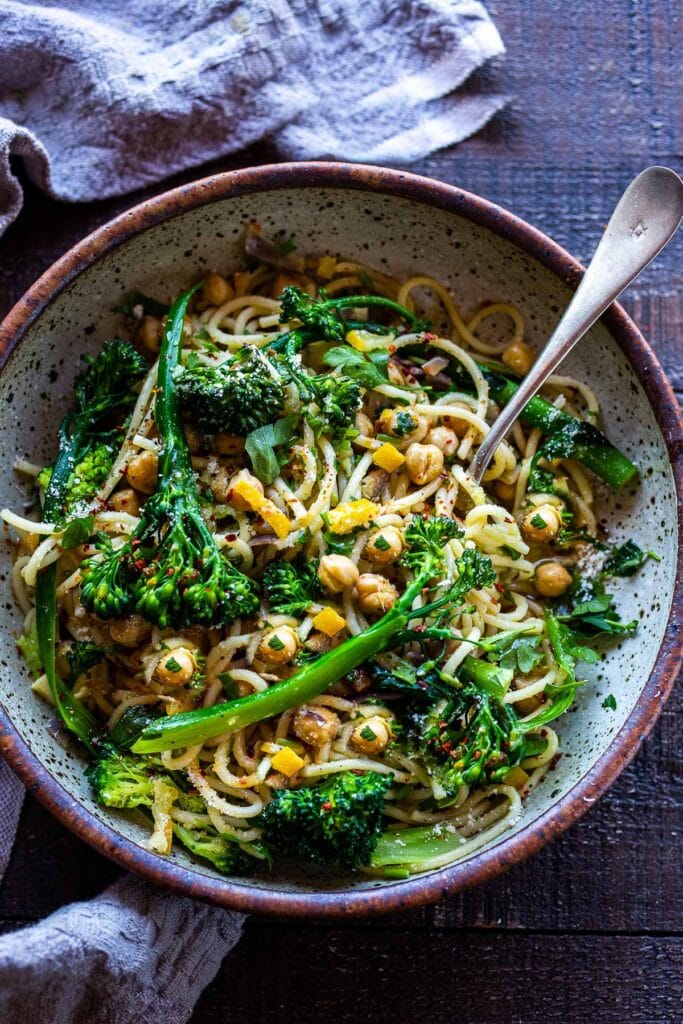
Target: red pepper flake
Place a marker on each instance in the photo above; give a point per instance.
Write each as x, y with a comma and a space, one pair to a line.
499, 588
428, 336
327, 806
140, 564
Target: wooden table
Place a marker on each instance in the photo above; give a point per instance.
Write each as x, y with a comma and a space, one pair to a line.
591, 928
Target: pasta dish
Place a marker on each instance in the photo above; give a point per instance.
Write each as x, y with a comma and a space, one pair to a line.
264, 592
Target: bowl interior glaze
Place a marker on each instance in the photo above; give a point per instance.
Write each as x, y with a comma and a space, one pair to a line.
403, 236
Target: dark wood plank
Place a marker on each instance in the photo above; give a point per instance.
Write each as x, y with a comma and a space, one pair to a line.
283, 973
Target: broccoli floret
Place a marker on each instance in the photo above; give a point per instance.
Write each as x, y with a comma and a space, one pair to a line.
170, 571
226, 855
289, 588
237, 396
121, 780
335, 823
467, 739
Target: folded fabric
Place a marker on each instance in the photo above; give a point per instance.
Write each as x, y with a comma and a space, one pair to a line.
134, 954
100, 97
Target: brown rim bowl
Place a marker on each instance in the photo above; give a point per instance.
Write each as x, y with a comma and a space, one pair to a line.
440, 215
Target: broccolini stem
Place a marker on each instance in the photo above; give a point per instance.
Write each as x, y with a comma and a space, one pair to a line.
596, 453
76, 717
188, 728
175, 465
192, 727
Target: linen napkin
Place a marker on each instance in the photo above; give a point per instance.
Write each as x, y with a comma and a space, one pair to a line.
98, 98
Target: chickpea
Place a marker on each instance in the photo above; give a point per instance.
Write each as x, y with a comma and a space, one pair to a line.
142, 471
541, 524
235, 500
336, 573
194, 438
518, 357
228, 444
149, 334
278, 646
315, 726
445, 439
384, 546
551, 579
125, 500
371, 735
176, 667
364, 425
129, 631
457, 425
404, 425
376, 595
216, 290
506, 492
424, 463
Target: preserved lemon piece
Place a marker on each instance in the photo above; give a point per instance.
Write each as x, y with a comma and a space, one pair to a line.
388, 457
329, 622
346, 517
287, 761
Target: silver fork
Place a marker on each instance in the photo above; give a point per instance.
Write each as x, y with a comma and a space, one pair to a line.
645, 218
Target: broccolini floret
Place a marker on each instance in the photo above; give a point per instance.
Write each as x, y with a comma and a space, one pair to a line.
83, 655
89, 474
468, 739
170, 571
291, 588
237, 396
335, 823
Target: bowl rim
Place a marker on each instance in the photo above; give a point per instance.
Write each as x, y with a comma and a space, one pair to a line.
420, 889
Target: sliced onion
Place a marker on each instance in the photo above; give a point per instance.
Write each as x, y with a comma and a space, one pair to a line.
258, 247
434, 365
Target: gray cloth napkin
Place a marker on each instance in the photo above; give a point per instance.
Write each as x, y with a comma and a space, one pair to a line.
100, 97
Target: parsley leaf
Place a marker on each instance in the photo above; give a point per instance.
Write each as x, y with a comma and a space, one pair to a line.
261, 443
522, 654
357, 366
610, 702
626, 560
77, 531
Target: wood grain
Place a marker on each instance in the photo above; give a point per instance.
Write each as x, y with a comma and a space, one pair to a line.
591, 928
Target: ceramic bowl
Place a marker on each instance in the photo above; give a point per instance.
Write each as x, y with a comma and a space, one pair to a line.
403, 224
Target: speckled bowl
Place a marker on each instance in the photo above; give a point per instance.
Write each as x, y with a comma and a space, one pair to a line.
403, 224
